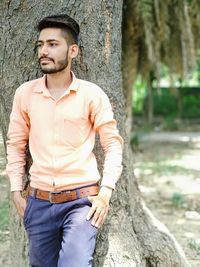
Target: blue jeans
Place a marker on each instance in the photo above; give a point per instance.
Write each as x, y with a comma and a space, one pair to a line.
59, 234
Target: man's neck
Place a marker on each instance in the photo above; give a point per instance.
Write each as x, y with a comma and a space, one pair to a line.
60, 80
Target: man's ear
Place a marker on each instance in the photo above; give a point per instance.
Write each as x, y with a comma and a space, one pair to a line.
73, 50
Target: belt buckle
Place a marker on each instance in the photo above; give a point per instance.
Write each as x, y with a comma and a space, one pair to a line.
50, 197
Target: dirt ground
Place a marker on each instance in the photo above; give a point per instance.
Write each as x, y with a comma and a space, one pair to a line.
169, 177
168, 172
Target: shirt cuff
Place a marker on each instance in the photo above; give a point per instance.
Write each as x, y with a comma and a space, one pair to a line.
15, 185
109, 182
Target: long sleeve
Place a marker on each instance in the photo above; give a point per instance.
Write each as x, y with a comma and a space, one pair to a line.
111, 141
18, 134
112, 144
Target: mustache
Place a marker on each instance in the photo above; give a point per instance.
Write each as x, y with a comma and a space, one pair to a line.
49, 58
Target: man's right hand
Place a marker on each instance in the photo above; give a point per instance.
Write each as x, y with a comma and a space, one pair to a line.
20, 202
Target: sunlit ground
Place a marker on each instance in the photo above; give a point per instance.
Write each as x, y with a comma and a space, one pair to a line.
168, 170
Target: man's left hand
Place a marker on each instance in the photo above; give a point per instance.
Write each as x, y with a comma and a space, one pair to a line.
100, 206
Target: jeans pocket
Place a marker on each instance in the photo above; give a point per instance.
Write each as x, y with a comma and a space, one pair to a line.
88, 201
27, 209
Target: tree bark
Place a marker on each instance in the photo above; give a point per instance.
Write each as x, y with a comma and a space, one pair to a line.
130, 52
149, 100
131, 235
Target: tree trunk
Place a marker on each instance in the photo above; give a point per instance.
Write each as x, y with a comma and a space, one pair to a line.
150, 106
130, 52
179, 103
131, 235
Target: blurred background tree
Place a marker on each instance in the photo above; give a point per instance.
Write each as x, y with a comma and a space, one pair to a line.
160, 49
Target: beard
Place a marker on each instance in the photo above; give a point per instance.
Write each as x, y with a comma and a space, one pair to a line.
59, 66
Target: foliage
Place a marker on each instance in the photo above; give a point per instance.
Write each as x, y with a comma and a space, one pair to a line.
139, 95
191, 106
169, 28
165, 103
177, 199
134, 141
195, 244
170, 123
157, 33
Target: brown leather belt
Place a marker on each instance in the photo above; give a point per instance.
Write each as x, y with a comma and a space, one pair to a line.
63, 196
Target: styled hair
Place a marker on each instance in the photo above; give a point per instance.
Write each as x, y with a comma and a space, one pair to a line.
68, 25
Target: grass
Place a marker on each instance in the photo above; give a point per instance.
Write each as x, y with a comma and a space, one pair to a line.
195, 245
162, 159
164, 169
177, 199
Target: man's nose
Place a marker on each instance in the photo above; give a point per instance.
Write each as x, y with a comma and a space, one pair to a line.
43, 51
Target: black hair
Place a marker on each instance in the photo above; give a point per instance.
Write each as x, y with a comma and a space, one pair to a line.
64, 22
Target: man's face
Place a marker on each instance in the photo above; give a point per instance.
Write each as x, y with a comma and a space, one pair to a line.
52, 50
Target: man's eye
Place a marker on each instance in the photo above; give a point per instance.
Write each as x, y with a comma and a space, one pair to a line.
38, 45
53, 44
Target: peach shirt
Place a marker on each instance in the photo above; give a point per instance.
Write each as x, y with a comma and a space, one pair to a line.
61, 136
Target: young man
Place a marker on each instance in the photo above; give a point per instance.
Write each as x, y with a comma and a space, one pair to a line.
57, 116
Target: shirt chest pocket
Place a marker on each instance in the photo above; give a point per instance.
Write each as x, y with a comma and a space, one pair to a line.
74, 131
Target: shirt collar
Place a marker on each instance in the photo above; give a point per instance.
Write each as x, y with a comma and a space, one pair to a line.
41, 86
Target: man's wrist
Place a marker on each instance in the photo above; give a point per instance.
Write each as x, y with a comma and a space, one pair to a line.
16, 193
105, 191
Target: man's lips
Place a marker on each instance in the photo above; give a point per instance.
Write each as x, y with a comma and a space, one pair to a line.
45, 60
